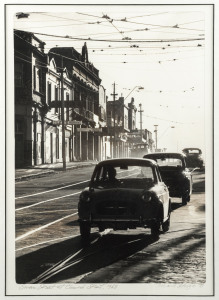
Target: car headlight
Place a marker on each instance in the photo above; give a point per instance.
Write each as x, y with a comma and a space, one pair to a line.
146, 197
85, 197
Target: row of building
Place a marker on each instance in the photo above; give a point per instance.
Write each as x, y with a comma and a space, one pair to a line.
62, 111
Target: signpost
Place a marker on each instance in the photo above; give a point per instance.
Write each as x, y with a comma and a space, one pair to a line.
74, 122
59, 122
89, 129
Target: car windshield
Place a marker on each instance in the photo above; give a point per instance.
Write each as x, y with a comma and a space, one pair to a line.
125, 176
193, 151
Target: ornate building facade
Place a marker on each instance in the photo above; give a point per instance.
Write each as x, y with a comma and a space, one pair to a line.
44, 85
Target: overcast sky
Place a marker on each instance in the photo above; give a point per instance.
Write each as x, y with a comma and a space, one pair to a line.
162, 48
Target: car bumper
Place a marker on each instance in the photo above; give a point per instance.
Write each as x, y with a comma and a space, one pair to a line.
118, 223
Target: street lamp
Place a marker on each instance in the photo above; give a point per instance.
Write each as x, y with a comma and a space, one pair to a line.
139, 87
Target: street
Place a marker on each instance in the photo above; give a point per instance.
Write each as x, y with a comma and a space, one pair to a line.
48, 248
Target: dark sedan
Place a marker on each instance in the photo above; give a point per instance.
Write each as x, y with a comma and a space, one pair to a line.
194, 158
124, 194
174, 173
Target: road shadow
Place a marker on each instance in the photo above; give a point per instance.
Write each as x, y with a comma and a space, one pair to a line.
103, 251
73, 223
147, 263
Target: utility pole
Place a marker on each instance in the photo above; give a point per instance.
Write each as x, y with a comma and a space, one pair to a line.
141, 111
63, 117
114, 118
155, 130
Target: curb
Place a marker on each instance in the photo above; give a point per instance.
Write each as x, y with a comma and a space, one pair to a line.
55, 171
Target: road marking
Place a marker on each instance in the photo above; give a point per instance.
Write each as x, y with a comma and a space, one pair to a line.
62, 187
46, 242
48, 191
42, 227
38, 203
41, 202
50, 211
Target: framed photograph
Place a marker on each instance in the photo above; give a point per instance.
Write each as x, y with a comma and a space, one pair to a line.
100, 90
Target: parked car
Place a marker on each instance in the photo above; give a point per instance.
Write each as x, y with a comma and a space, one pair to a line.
194, 158
124, 193
174, 173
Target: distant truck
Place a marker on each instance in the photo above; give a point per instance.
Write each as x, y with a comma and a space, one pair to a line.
139, 149
194, 158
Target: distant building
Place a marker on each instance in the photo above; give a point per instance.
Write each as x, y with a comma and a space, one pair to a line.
117, 123
140, 141
132, 115
104, 140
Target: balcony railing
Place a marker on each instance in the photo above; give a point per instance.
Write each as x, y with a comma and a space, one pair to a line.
77, 107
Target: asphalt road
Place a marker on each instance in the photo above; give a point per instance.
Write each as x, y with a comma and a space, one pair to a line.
48, 248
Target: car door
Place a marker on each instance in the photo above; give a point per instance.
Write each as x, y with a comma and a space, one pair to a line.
164, 194
188, 174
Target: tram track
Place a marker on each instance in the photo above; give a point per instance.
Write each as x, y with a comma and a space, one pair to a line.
120, 250
72, 260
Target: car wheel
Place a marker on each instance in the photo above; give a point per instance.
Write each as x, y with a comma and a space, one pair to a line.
166, 224
185, 199
85, 233
155, 229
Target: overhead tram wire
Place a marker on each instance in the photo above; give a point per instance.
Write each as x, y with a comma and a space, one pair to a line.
68, 19
120, 41
76, 60
192, 47
165, 119
126, 20
121, 62
120, 32
74, 19
161, 26
124, 62
161, 13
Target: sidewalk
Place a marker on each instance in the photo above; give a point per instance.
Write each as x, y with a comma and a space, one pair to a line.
46, 169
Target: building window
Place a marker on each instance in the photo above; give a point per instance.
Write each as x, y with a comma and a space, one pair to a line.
37, 79
19, 73
57, 145
19, 126
49, 99
67, 107
126, 122
56, 100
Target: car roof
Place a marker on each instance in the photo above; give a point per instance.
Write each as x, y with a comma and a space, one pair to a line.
185, 149
130, 160
192, 148
165, 154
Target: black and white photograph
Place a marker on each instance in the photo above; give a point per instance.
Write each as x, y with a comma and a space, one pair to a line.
109, 149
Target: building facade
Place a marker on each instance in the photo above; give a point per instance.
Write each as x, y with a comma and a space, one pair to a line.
118, 127
62, 111
55, 93
82, 106
30, 98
